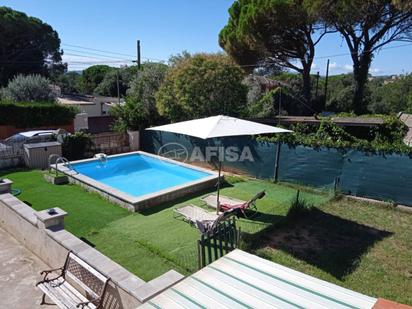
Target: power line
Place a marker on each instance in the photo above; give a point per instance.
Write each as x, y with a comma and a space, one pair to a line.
93, 54
98, 50
109, 52
102, 58
348, 54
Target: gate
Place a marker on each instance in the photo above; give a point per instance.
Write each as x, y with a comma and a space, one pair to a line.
215, 244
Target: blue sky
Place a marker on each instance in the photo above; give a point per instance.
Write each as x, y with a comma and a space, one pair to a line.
168, 27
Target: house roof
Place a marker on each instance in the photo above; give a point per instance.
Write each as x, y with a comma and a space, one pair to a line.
240, 279
76, 100
86, 100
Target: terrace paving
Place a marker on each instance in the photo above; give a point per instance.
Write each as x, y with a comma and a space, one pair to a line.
19, 272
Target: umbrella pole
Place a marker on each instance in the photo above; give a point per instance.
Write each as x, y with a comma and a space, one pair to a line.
218, 188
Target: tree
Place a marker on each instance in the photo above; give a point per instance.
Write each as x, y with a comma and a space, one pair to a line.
281, 32
108, 86
175, 59
69, 82
366, 26
28, 46
30, 88
392, 96
202, 85
140, 111
93, 76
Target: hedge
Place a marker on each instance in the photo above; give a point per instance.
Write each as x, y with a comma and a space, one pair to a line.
29, 115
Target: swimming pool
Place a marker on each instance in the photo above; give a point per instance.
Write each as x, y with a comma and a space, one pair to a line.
139, 179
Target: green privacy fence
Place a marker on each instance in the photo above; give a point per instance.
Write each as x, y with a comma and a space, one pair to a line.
383, 177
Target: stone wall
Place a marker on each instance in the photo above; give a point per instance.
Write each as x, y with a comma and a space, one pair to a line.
52, 243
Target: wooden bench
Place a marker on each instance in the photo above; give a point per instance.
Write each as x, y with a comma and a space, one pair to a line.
65, 294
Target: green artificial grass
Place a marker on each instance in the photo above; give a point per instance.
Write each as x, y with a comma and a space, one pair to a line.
356, 245
88, 212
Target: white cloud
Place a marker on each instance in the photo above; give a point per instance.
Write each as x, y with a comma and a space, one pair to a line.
348, 67
340, 68
333, 65
375, 70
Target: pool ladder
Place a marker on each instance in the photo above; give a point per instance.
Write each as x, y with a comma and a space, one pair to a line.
62, 160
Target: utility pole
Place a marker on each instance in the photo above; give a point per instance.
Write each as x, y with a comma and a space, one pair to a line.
118, 88
138, 54
138, 60
317, 84
326, 81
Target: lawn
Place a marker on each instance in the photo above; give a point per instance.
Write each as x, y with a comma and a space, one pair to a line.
356, 245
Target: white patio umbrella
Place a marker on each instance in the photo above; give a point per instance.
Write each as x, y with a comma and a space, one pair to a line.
218, 126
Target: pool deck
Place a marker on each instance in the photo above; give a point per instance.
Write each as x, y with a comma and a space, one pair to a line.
19, 273
138, 203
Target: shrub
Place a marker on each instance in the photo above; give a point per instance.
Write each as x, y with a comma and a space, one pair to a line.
140, 109
30, 115
30, 88
202, 85
76, 146
93, 76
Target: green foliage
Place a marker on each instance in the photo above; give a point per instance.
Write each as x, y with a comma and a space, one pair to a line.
140, 108
30, 88
366, 26
272, 31
175, 59
202, 85
28, 46
392, 96
93, 76
70, 82
76, 146
264, 95
386, 138
108, 86
21, 115
266, 106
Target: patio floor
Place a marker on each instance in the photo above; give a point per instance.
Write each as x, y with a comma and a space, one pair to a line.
19, 272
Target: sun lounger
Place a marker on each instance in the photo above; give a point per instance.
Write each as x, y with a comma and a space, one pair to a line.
231, 204
191, 214
202, 219
211, 200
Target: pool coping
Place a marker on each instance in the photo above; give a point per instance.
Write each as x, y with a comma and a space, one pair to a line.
134, 203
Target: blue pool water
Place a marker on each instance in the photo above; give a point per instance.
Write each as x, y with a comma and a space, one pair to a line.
137, 174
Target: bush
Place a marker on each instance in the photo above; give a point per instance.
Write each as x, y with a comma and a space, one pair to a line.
76, 146
30, 115
69, 82
202, 85
30, 88
140, 110
93, 76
